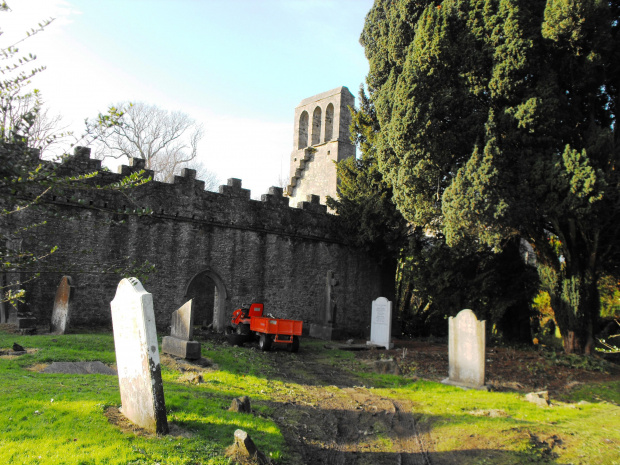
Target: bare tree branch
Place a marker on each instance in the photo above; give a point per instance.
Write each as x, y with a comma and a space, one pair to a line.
166, 140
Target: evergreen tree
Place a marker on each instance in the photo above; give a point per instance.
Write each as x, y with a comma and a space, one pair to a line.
443, 280
432, 280
498, 121
365, 199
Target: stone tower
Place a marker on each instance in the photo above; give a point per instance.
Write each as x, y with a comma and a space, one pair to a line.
321, 137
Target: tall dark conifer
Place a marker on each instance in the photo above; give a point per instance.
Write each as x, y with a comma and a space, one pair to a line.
498, 121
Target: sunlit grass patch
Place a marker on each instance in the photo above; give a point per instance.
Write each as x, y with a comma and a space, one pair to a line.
61, 418
603, 392
567, 430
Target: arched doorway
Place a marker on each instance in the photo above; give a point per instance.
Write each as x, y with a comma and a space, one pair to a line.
209, 294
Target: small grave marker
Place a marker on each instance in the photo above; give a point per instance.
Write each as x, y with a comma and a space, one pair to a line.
466, 350
137, 357
181, 331
381, 323
61, 314
327, 328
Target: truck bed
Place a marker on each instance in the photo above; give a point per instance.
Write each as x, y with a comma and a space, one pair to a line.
276, 326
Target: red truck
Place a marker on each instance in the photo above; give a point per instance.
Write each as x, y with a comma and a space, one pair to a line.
249, 321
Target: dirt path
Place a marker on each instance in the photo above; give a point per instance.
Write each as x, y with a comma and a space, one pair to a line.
334, 420
328, 416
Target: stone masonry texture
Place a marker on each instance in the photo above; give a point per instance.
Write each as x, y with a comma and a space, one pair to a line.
321, 138
261, 251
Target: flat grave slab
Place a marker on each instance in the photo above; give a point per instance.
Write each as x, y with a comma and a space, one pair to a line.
80, 368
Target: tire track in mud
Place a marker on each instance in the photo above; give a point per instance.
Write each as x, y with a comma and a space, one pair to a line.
334, 421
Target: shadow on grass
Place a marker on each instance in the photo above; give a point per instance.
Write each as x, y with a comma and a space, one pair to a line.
312, 365
337, 436
386, 435
461, 457
349, 435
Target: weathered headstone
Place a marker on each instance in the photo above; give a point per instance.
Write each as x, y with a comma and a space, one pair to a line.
381, 323
240, 404
137, 357
466, 350
61, 314
181, 331
331, 304
20, 316
327, 328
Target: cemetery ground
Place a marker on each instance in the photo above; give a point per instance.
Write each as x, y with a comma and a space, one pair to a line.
320, 405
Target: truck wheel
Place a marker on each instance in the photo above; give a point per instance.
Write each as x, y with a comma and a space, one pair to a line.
234, 338
264, 342
294, 346
244, 329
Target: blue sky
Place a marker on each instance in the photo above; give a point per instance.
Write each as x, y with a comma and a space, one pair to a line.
238, 66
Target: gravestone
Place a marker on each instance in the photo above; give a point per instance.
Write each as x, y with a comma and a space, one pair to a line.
331, 304
466, 351
381, 323
327, 329
181, 331
61, 314
137, 357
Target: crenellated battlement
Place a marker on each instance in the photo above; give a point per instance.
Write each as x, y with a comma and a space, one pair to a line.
186, 200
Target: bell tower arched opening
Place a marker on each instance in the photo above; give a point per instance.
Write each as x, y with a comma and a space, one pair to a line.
329, 122
302, 141
316, 126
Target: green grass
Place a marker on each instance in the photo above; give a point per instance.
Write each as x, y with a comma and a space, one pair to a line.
586, 433
59, 419
603, 392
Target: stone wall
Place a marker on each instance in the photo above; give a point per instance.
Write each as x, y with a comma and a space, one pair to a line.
243, 250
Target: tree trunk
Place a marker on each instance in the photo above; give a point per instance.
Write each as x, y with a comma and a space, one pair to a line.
572, 343
576, 305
